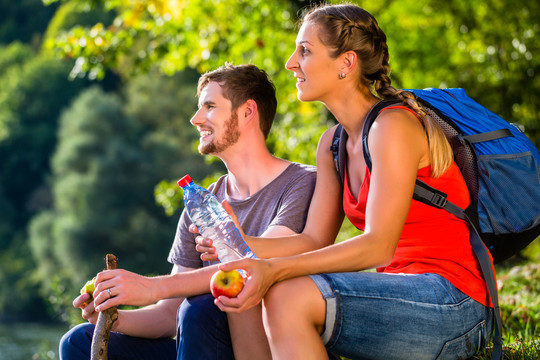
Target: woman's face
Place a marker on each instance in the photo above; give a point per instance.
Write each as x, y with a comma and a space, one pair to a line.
315, 71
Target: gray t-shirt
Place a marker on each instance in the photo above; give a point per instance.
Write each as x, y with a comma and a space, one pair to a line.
284, 201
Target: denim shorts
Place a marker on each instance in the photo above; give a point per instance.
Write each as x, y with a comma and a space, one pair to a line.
401, 316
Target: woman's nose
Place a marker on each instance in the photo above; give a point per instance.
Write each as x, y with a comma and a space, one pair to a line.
291, 63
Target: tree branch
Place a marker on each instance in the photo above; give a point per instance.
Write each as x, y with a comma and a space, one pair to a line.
106, 319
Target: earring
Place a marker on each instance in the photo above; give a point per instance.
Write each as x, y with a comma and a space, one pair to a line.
342, 75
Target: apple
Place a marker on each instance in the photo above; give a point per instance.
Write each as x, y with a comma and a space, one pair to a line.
89, 288
227, 283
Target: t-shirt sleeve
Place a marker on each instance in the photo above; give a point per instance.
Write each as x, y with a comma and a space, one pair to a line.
183, 250
294, 203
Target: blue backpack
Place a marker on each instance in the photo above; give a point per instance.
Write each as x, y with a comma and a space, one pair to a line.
500, 166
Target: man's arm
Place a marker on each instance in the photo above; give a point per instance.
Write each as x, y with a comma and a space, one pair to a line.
155, 320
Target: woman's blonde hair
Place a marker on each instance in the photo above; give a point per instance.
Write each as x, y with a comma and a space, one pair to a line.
347, 27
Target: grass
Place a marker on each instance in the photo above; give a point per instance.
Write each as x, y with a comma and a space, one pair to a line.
520, 350
518, 281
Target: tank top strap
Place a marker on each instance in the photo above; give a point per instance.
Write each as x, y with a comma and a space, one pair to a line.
405, 108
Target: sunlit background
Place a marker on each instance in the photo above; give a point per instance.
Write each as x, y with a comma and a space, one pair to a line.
95, 102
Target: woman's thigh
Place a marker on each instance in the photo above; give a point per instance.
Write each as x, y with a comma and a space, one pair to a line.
399, 316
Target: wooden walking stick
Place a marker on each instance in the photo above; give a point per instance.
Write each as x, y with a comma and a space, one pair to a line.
106, 319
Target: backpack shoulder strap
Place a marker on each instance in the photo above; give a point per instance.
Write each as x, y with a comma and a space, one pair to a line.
338, 150
368, 122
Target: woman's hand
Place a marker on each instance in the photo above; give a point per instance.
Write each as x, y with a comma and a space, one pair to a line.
122, 287
260, 279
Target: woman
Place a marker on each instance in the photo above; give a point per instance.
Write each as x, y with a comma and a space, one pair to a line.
427, 299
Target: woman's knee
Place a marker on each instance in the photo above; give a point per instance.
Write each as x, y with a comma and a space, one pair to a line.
293, 301
276, 297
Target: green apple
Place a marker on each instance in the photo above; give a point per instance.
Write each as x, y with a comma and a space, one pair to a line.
226, 283
89, 288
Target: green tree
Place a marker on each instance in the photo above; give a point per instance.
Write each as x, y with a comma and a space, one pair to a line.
24, 20
34, 91
13, 56
97, 187
11, 59
20, 298
31, 99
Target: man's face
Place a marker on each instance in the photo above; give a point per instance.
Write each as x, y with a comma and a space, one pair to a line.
215, 120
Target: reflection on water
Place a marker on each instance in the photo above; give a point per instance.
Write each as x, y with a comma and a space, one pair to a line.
28, 341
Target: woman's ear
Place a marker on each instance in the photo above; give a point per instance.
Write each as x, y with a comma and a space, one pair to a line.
348, 61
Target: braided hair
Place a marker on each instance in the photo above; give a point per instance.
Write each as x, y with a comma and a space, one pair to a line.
347, 27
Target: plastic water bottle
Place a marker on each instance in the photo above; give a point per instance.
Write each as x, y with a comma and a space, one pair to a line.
213, 221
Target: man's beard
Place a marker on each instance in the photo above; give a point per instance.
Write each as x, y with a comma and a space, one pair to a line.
229, 138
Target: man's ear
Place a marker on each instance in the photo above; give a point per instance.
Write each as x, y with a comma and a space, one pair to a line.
249, 109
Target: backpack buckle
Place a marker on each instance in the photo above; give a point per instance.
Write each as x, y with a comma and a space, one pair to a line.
439, 200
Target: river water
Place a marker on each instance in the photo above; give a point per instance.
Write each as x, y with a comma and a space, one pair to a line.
29, 341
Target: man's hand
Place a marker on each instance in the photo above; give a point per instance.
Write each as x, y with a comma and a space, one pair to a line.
204, 246
122, 287
87, 310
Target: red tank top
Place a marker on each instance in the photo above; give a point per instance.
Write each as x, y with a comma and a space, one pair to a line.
432, 240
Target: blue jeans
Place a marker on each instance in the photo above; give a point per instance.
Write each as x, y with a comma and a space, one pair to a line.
203, 330
202, 333
398, 316
76, 344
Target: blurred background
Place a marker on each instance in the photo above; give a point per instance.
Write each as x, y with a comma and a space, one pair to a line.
95, 102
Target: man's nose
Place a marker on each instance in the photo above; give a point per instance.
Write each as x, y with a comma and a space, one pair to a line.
196, 118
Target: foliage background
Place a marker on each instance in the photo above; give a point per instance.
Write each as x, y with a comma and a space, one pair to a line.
94, 128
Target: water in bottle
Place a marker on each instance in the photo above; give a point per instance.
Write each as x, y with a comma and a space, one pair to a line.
213, 221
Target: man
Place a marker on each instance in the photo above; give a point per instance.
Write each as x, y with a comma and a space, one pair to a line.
270, 196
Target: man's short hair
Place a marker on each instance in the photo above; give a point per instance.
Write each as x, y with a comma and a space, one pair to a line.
241, 83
